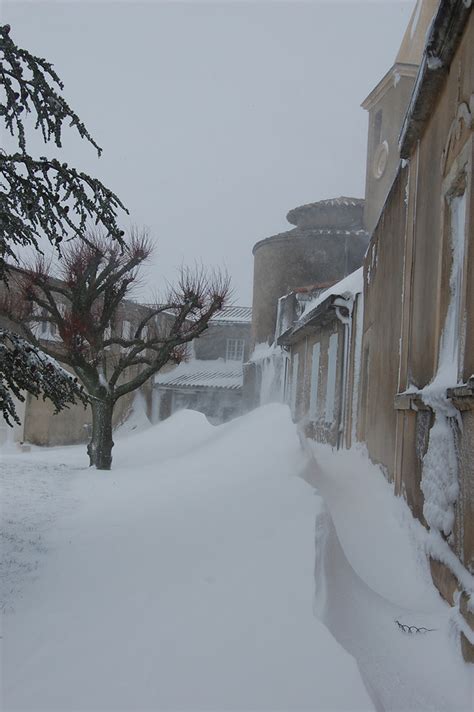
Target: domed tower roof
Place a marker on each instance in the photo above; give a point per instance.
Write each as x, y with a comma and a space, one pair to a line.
411, 48
343, 213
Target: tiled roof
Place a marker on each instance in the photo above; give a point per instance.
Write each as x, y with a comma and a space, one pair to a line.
342, 200
203, 374
242, 315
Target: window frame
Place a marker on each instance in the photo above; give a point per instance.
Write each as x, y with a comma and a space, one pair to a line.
237, 345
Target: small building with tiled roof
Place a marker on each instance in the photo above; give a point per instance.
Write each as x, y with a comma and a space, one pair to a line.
210, 380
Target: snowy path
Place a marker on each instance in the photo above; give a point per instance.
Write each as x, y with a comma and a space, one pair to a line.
181, 580
186, 579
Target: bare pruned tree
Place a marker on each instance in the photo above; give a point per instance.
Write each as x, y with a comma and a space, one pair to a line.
84, 299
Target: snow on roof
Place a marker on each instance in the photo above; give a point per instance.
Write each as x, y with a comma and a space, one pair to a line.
212, 373
234, 314
347, 288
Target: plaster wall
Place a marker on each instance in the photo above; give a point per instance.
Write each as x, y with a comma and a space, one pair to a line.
432, 256
407, 292
295, 259
388, 111
319, 428
383, 279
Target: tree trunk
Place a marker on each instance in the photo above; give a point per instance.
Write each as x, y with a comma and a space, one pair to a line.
101, 443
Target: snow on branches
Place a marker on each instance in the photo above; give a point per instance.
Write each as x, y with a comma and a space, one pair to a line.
23, 367
43, 197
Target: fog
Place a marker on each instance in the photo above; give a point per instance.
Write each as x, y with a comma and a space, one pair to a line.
216, 118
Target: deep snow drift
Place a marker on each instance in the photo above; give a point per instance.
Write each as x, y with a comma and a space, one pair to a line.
374, 591
183, 579
186, 578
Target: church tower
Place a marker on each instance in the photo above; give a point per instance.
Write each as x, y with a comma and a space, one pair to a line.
387, 104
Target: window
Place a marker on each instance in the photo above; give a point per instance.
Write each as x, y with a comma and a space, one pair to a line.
126, 329
44, 325
43, 328
235, 350
331, 382
294, 384
450, 355
377, 135
313, 398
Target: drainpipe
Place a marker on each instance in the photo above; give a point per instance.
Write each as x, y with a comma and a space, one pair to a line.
305, 414
344, 309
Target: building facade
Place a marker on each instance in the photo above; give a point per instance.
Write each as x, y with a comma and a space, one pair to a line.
328, 243
322, 350
386, 356
210, 380
417, 406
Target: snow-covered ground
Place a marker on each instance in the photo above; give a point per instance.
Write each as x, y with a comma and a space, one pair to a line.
186, 578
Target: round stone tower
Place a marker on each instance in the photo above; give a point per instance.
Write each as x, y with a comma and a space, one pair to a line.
327, 243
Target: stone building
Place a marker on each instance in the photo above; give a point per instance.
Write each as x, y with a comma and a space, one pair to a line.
322, 348
328, 243
388, 360
386, 106
417, 406
210, 380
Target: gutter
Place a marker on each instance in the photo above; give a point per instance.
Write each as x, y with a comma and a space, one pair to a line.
346, 320
443, 40
304, 326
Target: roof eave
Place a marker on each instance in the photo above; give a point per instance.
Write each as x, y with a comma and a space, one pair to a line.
444, 38
319, 316
404, 70
200, 387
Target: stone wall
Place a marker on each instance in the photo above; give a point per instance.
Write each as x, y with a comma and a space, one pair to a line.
327, 244
408, 289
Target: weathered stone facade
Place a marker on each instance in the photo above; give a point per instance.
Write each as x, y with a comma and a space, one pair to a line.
396, 369
323, 348
419, 321
328, 242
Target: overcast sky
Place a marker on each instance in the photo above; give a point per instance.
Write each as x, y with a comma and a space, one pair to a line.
216, 118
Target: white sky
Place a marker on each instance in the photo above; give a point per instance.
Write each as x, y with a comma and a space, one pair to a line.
216, 118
